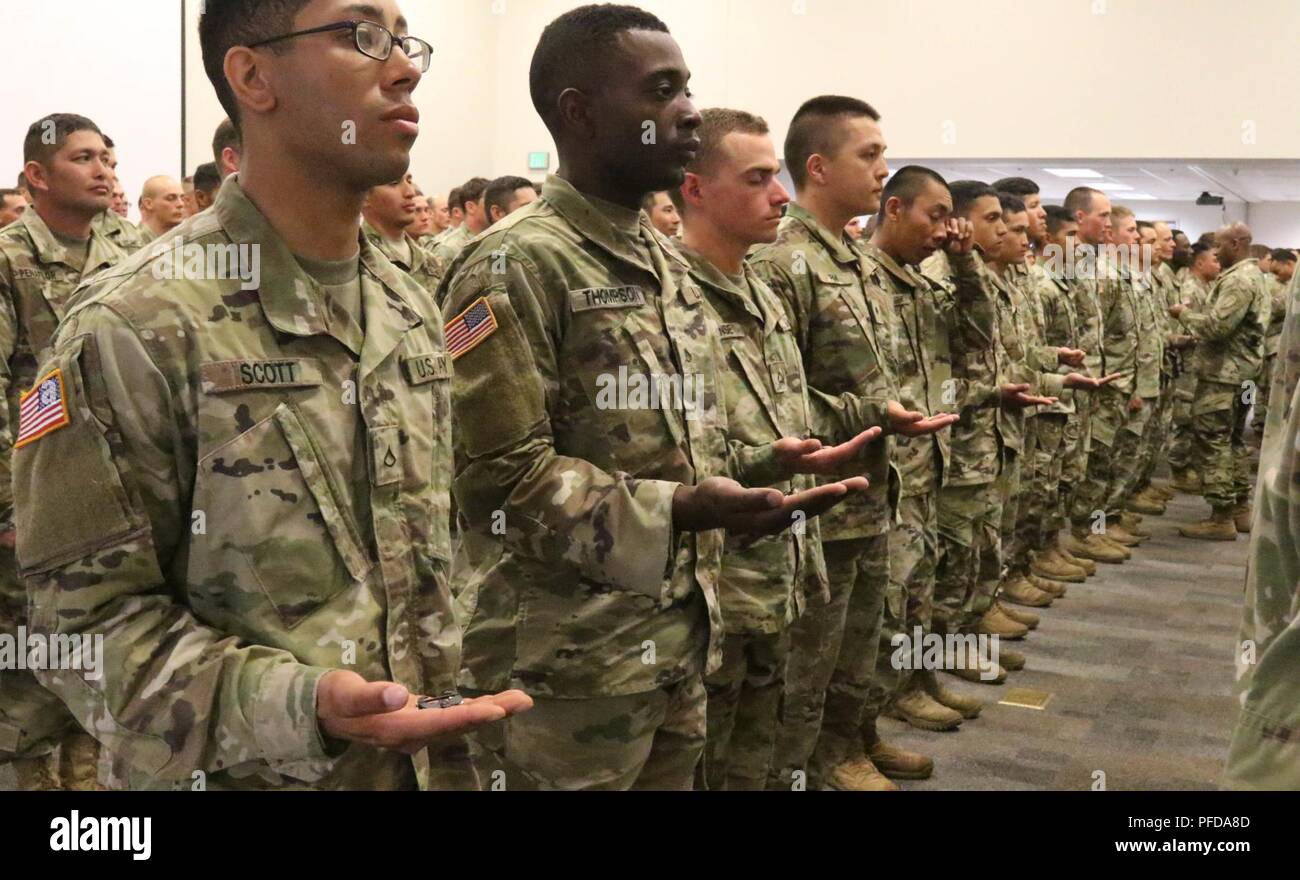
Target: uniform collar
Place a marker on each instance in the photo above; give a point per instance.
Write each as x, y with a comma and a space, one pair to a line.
587, 219
292, 300
840, 250
376, 238
904, 274
713, 278
102, 251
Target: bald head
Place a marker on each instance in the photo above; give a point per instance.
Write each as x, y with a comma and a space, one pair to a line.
1233, 243
162, 203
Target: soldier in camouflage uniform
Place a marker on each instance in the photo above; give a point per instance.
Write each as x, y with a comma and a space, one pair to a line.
764, 584
611, 502
244, 492
1264, 752
1230, 334
915, 222
40, 267
470, 197
844, 326
388, 210
1193, 292
116, 228
1282, 263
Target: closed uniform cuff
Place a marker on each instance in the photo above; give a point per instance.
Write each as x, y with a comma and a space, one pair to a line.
1051, 385
645, 543
284, 717
758, 466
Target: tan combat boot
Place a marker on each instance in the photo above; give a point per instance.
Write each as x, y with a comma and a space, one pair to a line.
1050, 564
1146, 502
996, 623
966, 663
1089, 567
859, 774
1019, 615
37, 774
1019, 591
1095, 548
1187, 481
1133, 526
919, 709
1011, 661
1116, 533
1163, 490
894, 762
1219, 527
79, 763
1055, 589
967, 707
1242, 514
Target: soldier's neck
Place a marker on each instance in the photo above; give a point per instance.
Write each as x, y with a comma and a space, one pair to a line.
884, 241
316, 215
725, 253
595, 181
390, 231
64, 221
822, 205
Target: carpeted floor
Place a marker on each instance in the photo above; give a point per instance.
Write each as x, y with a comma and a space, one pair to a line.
1139, 665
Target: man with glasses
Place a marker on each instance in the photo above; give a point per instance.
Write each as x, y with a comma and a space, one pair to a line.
260, 460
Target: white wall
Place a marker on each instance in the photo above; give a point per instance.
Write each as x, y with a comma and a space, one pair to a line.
1276, 224
118, 64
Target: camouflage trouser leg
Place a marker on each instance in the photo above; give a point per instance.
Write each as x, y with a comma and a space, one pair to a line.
910, 599
1008, 483
970, 561
651, 740
867, 564
1261, 395
1183, 442
1043, 519
33, 721
1127, 453
1157, 439
1104, 423
1075, 444
1220, 421
744, 697
1023, 515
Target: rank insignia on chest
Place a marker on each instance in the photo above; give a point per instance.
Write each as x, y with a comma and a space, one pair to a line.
42, 409
470, 327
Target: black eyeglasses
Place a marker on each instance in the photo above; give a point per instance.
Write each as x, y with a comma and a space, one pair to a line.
372, 40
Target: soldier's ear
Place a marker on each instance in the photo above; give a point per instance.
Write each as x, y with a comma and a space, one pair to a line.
575, 112
247, 76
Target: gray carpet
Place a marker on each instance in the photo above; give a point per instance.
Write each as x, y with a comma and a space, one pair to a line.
1139, 665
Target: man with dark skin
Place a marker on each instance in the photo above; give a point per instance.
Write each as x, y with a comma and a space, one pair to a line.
556, 316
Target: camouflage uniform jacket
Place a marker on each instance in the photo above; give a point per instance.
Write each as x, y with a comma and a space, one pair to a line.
1060, 320
1230, 328
764, 582
1026, 359
425, 268
36, 282
1117, 296
119, 230
248, 492
1277, 315
1150, 308
844, 325
575, 583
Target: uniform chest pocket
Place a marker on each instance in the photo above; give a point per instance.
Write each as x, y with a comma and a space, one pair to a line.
277, 527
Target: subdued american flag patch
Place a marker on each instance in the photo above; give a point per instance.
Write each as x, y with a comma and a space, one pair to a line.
470, 327
42, 409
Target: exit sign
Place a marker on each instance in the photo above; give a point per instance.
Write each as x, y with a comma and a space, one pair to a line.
539, 161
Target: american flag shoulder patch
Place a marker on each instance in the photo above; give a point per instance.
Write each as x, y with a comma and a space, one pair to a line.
470, 327
42, 409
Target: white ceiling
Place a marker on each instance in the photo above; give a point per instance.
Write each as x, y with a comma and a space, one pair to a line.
1178, 180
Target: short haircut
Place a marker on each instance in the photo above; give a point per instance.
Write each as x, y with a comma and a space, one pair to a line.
1260, 251
1177, 232
1279, 255
453, 198
471, 191
1017, 186
1146, 224
1119, 212
648, 200
7, 192
908, 182
815, 130
501, 191
1011, 204
1057, 217
225, 24
108, 141
965, 193
226, 136
36, 146
207, 178
715, 124
1080, 199
1202, 247
582, 35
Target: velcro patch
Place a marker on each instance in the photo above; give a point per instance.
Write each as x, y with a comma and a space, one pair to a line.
628, 297
222, 377
470, 327
42, 409
421, 368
